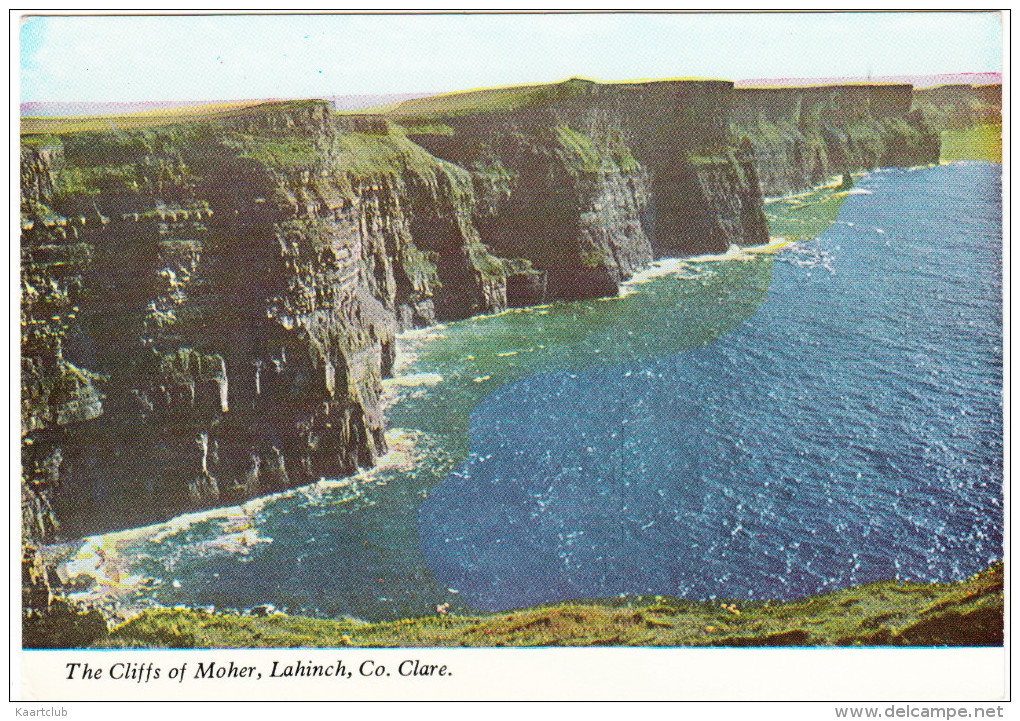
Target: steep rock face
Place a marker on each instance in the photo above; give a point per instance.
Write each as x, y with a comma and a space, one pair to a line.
704, 194
959, 107
208, 310
802, 135
589, 182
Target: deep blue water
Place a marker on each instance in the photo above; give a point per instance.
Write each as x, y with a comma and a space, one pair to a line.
768, 429
850, 430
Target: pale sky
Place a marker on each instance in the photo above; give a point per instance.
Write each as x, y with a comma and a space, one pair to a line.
218, 57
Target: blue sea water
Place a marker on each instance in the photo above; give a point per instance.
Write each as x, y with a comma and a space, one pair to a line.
774, 428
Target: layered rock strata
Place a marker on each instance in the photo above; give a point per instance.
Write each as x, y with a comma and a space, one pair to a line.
589, 182
800, 136
208, 311
959, 107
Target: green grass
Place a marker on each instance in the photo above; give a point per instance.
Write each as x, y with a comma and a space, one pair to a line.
294, 154
41, 141
981, 143
428, 129
969, 613
580, 154
502, 99
577, 150
158, 117
367, 154
132, 121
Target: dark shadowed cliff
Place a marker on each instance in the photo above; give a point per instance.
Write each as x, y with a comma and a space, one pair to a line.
591, 181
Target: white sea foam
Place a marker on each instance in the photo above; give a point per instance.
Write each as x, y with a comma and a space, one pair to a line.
422, 333
107, 558
682, 267
412, 380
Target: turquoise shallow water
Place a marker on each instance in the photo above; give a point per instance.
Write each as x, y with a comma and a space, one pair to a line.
769, 428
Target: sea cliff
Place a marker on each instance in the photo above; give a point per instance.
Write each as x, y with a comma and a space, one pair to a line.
208, 311
802, 135
209, 307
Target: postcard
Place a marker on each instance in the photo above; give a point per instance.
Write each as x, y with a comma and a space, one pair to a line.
512, 356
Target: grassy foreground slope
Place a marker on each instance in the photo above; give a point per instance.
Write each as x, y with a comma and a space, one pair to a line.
968, 613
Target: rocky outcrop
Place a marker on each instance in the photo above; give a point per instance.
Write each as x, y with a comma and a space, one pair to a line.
800, 136
575, 209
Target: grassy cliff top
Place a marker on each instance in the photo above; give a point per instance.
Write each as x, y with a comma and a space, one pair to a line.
484, 100
968, 613
506, 98
158, 117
